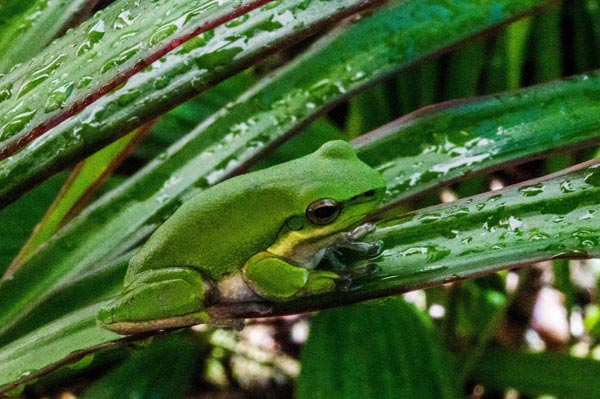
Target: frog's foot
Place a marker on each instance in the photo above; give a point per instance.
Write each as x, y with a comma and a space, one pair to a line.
159, 299
351, 241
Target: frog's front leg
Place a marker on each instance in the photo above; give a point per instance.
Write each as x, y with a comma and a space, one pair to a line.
158, 299
277, 280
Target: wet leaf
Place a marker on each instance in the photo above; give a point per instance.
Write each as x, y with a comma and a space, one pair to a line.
94, 58
337, 66
449, 141
181, 74
24, 33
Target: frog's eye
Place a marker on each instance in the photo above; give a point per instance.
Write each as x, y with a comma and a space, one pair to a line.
323, 211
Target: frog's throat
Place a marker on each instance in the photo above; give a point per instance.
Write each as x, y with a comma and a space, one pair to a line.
301, 248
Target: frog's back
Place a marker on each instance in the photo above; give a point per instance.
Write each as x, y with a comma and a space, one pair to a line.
217, 230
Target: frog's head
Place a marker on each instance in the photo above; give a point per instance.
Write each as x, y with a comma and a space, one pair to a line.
333, 190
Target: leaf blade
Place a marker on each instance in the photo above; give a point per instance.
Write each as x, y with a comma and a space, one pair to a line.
117, 41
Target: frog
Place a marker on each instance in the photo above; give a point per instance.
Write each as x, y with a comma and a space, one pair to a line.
257, 236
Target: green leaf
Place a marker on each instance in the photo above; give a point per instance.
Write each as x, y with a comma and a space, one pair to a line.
378, 46
452, 140
176, 123
535, 374
548, 218
56, 344
375, 350
117, 41
26, 33
226, 141
191, 68
172, 361
555, 217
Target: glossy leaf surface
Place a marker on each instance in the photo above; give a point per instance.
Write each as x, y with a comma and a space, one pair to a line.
450, 141
262, 115
24, 34
178, 76
91, 60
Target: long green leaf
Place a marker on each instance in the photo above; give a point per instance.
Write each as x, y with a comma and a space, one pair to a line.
181, 74
448, 141
419, 30
91, 60
27, 357
553, 217
28, 32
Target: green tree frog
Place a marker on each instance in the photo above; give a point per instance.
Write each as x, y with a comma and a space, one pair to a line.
255, 236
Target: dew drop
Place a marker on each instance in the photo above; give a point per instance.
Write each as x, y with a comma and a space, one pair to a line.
84, 81
588, 215
58, 97
430, 217
566, 186
123, 20
593, 178
41, 75
532, 190
94, 36
21, 118
432, 252
120, 58
536, 235
272, 4
6, 92
237, 21
466, 240
162, 33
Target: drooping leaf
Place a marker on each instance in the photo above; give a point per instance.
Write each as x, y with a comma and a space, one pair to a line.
375, 350
554, 374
